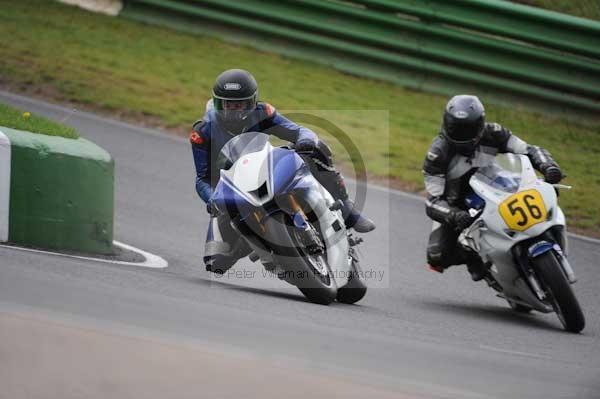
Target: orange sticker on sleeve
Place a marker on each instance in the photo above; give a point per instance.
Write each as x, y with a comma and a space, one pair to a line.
196, 138
269, 109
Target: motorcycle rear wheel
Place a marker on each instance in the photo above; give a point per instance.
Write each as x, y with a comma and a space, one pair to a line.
563, 299
355, 289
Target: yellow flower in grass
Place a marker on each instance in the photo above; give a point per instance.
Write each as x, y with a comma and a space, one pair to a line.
26, 115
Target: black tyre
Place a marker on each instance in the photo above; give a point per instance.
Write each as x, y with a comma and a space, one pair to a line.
310, 273
356, 288
557, 286
326, 290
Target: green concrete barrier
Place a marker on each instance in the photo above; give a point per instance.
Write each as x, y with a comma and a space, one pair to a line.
61, 193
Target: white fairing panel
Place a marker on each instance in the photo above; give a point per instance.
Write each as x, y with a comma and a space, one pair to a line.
250, 172
494, 197
336, 241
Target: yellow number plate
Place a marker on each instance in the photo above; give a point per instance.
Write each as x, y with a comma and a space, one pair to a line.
522, 210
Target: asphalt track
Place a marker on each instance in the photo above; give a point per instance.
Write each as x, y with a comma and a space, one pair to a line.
416, 334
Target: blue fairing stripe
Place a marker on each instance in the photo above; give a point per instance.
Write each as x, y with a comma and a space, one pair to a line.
286, 167
539, 248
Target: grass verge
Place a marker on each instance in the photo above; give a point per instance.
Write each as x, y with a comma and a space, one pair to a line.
23, 120
580, 8
160, 77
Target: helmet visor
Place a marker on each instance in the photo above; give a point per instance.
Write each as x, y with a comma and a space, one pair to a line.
222, 104
235, 113
234, 109
465, 131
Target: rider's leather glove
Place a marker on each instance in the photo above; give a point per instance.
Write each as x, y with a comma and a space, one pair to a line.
552, 174
462, 220
306, 146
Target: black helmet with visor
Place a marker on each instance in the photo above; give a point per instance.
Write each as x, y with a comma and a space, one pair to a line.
464, 123
235, 96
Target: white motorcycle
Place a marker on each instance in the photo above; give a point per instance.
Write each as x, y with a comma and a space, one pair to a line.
291, 223
520, 234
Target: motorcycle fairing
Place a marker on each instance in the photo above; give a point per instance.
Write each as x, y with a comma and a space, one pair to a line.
238, 192
494, 196
281, 172
491, 237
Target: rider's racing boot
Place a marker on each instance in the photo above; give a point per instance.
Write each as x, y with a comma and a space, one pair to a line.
354, 219
476, 268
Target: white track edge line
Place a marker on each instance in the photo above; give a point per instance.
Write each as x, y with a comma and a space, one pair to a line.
151, 261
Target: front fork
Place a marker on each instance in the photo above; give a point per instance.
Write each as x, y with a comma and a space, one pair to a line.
564, 262
525, 253
320, 236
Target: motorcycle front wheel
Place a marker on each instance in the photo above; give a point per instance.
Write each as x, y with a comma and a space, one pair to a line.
309, 272
563, 299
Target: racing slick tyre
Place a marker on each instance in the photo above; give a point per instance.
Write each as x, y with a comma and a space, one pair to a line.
563, 299
355, 289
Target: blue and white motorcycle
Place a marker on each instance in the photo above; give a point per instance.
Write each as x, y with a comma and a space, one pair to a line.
291, 223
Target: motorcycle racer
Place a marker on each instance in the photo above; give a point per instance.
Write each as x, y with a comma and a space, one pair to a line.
465, 143
235, 109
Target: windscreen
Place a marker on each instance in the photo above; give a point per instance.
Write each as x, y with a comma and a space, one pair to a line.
503, 174
240, 145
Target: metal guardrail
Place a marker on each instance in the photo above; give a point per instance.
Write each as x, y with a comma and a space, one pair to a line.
492, 44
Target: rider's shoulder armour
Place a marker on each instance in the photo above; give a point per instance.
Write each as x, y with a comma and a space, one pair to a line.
266, 113
198, 124
438, 157
267, 108
199, 133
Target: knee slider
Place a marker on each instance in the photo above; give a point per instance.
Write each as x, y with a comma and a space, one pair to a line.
219, 264
434, 258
